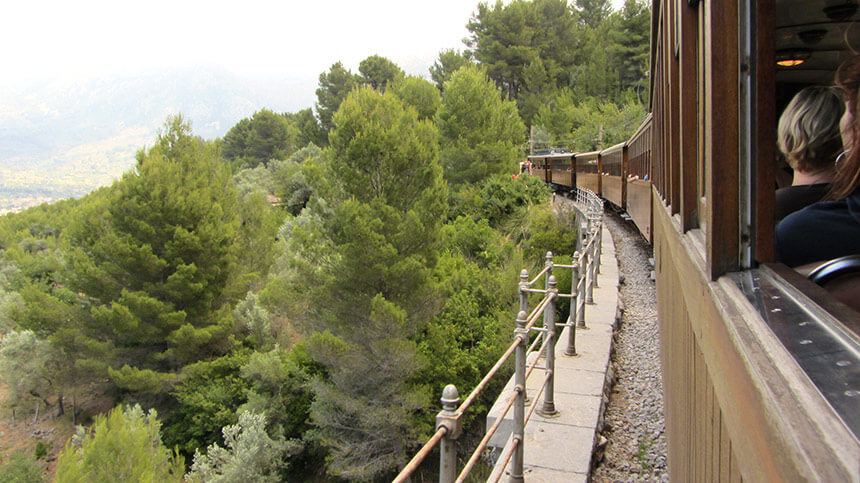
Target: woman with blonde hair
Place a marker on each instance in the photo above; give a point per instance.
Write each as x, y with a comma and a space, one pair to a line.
808, 136
831, 229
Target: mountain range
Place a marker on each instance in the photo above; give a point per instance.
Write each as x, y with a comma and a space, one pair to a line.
62, 139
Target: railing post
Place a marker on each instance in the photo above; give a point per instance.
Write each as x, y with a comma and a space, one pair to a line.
524, 295
595, 261
547, 278
448, 418
518, 435
548, 264
574, 302
589, 287
583, 260
599, 246
548, 408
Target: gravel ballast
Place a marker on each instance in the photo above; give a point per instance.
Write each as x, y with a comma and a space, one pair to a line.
634, 447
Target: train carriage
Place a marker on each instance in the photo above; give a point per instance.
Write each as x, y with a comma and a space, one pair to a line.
587, 167
760, 369
613, 167
761, 366
638, 178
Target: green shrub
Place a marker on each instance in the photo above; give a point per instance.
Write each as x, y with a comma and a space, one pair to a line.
124, 445
20, 469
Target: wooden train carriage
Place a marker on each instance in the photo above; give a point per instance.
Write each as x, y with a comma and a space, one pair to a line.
540, 167
613, 170
562, 169
554, 168
760, 369
587, 167
638, 180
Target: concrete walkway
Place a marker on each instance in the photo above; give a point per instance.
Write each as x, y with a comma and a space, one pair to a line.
559, 448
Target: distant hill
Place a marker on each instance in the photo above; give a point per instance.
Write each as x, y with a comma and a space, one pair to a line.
61, 139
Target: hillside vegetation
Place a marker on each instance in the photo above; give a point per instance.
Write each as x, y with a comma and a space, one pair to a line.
288, 301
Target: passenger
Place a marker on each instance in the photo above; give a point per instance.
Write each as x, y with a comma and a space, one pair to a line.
831, 229
808, 136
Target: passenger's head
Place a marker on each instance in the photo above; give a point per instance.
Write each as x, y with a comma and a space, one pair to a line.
808, 132
847, 177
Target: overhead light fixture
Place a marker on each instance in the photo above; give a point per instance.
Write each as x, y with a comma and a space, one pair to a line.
841, 13
792, 57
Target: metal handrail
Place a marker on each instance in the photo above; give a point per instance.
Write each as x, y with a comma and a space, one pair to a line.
585, 270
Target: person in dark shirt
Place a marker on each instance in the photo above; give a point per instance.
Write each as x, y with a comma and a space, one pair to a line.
808, 136
831, 229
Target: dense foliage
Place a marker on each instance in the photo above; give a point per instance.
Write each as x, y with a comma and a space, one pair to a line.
123, 445
292, 299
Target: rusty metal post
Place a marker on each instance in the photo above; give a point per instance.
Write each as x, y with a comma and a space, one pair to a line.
548, 264
450, 419
599, 246
518, 435
589, 274
548, 408
574, 302
524, 295
580, 296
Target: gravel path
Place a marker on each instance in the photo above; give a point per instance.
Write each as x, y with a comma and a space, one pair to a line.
635, 442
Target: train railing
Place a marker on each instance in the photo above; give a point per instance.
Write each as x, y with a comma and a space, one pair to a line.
585, 269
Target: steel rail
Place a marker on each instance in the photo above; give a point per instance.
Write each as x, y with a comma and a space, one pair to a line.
419, 457
533, 364
496, 475
537, 396
538, 311
490, 432
481, 385
539, 275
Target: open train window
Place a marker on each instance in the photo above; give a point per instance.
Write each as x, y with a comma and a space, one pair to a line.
810, 39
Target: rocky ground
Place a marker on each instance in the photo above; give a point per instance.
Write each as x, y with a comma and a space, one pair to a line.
634, 443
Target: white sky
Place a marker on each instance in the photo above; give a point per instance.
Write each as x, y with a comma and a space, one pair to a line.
67, 39
257, 37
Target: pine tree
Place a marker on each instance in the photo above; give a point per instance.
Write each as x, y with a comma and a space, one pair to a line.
153, 265
480, 134
363, 259
124, 445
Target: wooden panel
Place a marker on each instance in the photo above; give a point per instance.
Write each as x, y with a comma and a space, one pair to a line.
765, 126
599, 190
725, 452
673, 75
588, 181
612, 189
639, 205
688, 107
561, 177
721, 137
722, 361
625, 175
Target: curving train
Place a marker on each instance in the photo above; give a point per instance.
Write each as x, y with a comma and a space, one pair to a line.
761, 364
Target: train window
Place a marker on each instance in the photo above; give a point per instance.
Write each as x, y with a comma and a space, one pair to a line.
810, 39
692, 161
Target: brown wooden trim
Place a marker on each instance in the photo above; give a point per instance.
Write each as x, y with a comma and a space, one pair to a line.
765, 130
721, 59
599, 174
689, 70
675, 102
625, 170
774, 424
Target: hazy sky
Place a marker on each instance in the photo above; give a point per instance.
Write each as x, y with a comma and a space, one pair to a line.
295, 39
93, 37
